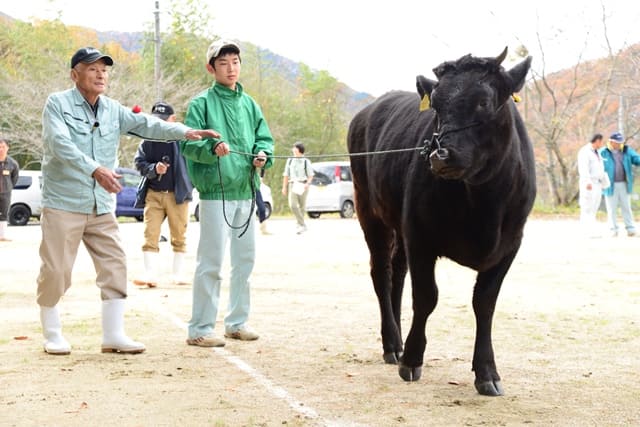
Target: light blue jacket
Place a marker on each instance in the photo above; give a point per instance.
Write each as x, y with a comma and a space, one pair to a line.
76, 143
630, 157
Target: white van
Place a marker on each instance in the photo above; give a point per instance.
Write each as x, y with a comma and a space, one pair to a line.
331, 189
26, 198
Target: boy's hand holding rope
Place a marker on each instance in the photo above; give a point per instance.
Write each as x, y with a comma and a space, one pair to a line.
221, 149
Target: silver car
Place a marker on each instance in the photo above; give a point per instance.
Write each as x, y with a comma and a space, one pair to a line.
331, 189
26, 198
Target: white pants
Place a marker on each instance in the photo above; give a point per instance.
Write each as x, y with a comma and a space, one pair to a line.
215, 234
589, 204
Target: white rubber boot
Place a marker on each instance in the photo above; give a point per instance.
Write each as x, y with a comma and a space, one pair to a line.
114, 339
3, 232
150, 263
52, 330
178, 261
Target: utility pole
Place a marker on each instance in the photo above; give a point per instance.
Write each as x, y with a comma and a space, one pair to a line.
621, 114
156, 69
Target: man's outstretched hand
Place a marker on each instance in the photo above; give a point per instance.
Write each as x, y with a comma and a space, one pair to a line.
195, 134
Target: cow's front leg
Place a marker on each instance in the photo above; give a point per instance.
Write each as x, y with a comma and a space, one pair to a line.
425, 297
485, 294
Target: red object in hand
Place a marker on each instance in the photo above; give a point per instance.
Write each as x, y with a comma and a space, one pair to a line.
136, 108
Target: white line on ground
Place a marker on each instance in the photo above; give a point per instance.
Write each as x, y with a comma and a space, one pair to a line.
275, 390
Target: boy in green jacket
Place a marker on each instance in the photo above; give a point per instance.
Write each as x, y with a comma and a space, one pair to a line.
226, 184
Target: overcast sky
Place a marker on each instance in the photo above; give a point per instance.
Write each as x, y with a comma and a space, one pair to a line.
375, 46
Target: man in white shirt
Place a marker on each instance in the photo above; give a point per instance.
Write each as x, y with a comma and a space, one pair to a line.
297, 176
593, 180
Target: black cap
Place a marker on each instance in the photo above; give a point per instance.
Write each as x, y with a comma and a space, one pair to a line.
162, 110
89, 55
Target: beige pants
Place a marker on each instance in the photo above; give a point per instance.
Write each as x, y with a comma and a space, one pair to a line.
62, 233
158, 206
298, 204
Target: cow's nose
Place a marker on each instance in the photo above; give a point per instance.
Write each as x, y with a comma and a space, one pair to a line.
441, 153
438, 159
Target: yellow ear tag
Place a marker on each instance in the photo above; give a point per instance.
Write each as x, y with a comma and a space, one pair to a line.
516, 97
425, 104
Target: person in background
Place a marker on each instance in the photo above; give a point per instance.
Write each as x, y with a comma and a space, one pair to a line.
81, 130
168, 192
9, 171
226, 184
592, 180
618, 160
296, 178
262, 211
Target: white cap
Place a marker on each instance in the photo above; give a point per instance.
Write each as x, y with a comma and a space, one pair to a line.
214, 48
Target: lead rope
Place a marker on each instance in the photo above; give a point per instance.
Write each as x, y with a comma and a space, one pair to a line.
245, 225
328, 156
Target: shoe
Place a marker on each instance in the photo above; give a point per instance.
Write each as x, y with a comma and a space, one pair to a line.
52, 330
242, 334
114, 339
177, 276
631, 233
614, 234
206, 341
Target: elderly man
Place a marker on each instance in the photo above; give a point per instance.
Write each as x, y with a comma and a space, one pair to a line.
81, 134
617, 159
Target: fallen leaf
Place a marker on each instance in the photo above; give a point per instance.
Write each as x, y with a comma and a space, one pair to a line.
83, 405
21, 337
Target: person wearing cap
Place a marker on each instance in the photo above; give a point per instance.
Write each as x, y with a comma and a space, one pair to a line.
226, 182
592, 180
81, 130
9, 171
618, 159
296, 179
167, 195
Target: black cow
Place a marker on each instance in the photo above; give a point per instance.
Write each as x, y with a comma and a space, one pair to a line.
466, 196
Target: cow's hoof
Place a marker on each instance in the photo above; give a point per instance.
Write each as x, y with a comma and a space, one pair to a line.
410, 374
489, 388
392, 358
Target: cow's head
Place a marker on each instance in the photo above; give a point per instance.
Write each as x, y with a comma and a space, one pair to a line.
472, 104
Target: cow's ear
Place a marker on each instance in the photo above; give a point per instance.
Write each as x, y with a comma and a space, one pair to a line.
518, 74
424, 86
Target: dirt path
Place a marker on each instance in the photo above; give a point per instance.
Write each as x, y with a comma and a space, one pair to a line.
566, 337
